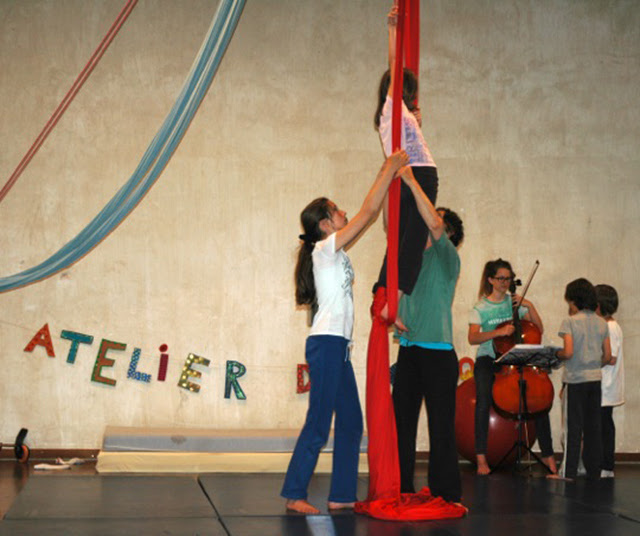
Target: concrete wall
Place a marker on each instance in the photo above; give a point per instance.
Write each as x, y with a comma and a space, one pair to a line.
531, 111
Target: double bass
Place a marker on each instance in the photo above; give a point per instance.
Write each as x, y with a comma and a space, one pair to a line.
538, 392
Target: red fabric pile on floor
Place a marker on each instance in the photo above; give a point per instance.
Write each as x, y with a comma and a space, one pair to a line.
420, 506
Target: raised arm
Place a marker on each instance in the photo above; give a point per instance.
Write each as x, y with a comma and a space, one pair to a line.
425, 206
392, 22
385, 212
373, 200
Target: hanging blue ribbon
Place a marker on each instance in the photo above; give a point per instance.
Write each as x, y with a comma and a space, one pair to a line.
154, 159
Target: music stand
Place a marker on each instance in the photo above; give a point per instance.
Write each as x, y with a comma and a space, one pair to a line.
520, 356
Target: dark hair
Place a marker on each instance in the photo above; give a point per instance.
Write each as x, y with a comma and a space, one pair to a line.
310, 218
490, 270
409, 92
607, 299
452, 225
582, 294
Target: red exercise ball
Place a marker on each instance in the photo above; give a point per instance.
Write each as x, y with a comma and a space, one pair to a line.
503, 429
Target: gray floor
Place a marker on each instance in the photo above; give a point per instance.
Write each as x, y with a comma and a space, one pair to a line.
249, 505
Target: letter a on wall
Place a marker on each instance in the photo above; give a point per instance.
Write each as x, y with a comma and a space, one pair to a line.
42, 338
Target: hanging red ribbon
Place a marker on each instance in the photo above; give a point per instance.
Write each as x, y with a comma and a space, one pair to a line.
384, 500
66, 101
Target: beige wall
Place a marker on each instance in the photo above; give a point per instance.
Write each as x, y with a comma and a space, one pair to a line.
530, 108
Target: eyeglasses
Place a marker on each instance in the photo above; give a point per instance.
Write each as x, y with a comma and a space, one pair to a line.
502, 279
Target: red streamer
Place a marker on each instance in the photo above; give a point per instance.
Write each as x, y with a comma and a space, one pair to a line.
384, 500
66, 101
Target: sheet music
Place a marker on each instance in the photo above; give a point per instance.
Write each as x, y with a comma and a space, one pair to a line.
531, 355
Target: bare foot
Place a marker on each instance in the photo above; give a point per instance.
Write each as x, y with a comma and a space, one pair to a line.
340, 506
483, 465
302, 506
556, 476
550, 462
460, 505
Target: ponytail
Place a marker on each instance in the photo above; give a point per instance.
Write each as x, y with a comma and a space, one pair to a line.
305, 285
310, 218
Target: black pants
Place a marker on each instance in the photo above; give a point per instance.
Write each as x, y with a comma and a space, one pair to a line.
583, 425
432, 376
484, 374
543, 432
608, 438
413, 231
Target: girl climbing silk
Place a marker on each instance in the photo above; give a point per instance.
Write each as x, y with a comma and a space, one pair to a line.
384, 500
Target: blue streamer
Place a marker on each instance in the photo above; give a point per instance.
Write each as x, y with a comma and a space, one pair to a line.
155, 157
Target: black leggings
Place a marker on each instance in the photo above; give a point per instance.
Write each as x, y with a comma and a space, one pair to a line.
413, 231
484, 372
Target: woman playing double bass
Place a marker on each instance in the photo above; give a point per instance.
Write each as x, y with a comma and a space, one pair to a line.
488, 320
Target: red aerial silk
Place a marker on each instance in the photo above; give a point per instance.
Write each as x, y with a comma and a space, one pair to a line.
412, 37
420, 506
382, 450
384, 500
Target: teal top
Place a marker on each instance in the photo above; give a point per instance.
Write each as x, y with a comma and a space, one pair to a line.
490, 315
427, 311
427, 345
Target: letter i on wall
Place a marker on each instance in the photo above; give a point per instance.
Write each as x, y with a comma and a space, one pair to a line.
164, 360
